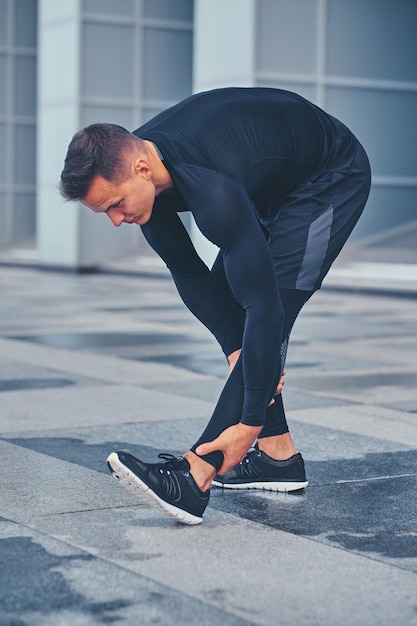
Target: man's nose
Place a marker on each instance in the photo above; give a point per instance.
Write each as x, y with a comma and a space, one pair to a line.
116, 217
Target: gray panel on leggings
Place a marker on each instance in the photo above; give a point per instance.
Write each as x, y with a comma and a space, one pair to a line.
315, 252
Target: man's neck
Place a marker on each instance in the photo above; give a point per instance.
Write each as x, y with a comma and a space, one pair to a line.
161, 177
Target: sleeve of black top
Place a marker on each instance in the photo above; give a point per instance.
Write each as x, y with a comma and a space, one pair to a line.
224, 214
201, 292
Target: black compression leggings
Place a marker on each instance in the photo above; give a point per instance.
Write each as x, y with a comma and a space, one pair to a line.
229, 406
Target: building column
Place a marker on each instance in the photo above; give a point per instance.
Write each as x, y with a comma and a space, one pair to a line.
224, 56
68, 235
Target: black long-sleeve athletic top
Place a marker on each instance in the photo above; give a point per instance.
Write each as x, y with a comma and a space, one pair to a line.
233, 155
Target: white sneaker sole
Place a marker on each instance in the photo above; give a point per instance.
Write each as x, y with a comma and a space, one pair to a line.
133, 483
264, 486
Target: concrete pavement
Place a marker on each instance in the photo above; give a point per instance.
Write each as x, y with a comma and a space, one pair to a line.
113, 360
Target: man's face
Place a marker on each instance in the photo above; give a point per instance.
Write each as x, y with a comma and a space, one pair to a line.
130, 201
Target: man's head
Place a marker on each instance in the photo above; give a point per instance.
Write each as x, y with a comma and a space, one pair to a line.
97, 150
111, 171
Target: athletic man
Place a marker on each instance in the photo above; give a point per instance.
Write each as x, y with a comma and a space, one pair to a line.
278, 185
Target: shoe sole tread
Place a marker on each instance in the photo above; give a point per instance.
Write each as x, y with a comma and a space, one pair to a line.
281, 486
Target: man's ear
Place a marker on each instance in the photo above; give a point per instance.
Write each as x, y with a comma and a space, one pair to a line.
143, 168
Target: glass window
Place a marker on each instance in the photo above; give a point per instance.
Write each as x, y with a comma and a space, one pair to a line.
109, 7
3, 218
386, 121
168, 10
286, 36
25, 85
24, 215
303, 89
372, 39
3, 22
108, 53
168, 67
149, 113
3, 78
26, 23
25, 155
387, 207
3, 154
90, 114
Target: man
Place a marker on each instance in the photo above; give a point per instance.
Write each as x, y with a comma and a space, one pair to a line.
278, 185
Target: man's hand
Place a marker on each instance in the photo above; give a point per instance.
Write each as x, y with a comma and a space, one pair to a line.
234, 442
232, 358
280, 384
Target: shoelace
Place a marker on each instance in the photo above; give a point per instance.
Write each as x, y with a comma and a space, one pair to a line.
171, 462
252, 450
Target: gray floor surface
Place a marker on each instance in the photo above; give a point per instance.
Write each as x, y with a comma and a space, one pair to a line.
96, 362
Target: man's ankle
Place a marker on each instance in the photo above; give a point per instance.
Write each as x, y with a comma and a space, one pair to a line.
278, 447
202, 472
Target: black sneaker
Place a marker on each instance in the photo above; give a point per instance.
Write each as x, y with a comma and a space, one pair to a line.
169, 484
260, 471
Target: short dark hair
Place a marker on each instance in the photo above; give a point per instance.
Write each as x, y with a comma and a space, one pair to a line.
96, 150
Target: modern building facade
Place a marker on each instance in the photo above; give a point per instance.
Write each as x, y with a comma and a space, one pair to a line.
18, 60
66, 64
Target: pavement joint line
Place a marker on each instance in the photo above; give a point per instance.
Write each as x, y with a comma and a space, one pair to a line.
366, 480
102, 508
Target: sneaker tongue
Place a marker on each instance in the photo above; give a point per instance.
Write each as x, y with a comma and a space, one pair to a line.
184, 463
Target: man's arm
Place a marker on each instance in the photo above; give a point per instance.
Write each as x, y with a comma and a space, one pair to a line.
200, 290
225, 215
